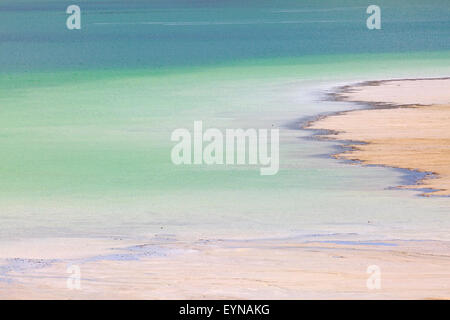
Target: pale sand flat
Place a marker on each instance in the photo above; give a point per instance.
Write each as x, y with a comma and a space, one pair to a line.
401, 92
256, 270
414, 137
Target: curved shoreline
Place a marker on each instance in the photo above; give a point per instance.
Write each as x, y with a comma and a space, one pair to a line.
394, 143
338, 95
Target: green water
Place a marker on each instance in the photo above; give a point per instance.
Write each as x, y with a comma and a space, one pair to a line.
86, 117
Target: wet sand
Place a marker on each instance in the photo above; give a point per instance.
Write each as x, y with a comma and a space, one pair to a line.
406, 126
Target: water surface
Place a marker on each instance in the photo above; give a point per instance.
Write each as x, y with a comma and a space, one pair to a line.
86, 116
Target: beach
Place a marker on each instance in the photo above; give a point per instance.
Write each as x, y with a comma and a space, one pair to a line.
89, 190
407, 126
236, 266
230, 269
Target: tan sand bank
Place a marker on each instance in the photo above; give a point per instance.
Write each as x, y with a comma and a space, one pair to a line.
415, 136
399, 92
266, 269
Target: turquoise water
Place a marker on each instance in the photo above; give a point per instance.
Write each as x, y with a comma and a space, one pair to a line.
167, 33
86, 116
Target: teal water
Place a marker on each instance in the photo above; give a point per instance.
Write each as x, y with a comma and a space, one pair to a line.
86, 116
167, 33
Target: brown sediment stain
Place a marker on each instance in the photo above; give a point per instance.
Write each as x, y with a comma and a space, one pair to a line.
395, 132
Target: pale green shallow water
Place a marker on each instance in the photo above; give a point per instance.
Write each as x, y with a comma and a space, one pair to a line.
86, 116
91, 157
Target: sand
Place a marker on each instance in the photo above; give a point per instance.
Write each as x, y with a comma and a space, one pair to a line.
259, 269
406, 126
414, 136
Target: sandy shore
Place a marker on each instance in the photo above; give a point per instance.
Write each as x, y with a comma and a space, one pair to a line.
414, 136
221, 269
406, 127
